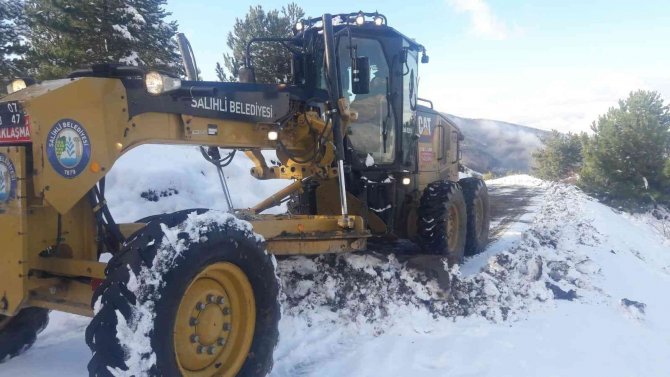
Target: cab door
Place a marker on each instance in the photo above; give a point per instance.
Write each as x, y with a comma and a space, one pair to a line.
444, 153
449, 149
373, 134
428, 146
439, 144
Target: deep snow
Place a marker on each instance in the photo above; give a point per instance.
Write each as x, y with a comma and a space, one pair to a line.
369, 315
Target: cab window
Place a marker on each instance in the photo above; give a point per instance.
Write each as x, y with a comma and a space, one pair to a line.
373, 132
410, 83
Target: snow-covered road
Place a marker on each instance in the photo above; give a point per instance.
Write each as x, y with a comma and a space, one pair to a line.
558, 293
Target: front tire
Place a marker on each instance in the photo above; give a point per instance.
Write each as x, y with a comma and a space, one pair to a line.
214, 312
18, 333
441, 221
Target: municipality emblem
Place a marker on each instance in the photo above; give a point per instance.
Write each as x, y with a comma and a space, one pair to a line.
7, 179
68, 148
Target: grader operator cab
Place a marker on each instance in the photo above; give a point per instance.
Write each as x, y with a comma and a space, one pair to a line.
194, 293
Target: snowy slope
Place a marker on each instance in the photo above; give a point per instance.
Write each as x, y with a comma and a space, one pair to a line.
554, 295
498, 147
183, 177
571, 248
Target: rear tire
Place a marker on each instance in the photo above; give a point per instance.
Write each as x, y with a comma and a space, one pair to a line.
441, 221
225, 257
479, 217
18, 333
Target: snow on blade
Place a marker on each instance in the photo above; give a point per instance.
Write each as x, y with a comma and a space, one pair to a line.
526, 275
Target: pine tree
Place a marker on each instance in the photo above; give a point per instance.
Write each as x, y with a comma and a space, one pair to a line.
12, 45
665, 190
69, 34
560, 158
155, 44
271, 61
625, 157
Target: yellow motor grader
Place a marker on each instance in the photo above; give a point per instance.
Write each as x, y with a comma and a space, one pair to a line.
195, 292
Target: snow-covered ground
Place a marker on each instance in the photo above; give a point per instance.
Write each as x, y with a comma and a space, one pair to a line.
571, 288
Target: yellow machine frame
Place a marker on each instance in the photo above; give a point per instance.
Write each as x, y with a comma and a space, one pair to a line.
57, 273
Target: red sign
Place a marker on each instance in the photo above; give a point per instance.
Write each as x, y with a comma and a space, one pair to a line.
426, 156
14, 124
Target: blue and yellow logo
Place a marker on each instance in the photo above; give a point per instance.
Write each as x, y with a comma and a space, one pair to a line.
68, 148
7, 179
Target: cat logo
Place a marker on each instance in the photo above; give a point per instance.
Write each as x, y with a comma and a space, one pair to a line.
68, 148
425, 128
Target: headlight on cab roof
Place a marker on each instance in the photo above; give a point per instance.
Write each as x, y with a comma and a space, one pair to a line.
16, 85
159, 83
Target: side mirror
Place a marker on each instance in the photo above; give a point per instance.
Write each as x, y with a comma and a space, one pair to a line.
424, 58
360, 75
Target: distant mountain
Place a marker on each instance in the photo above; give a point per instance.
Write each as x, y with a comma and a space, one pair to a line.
498, 147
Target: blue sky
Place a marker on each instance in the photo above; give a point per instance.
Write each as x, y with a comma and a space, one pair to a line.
546, 64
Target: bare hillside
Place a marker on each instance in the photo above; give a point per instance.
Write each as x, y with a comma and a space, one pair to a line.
496, 146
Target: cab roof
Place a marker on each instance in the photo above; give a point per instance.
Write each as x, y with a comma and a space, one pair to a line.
349, 20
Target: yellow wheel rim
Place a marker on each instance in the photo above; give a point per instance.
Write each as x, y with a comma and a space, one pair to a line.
453, 225
215, 322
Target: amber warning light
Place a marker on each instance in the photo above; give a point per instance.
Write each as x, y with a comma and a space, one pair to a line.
14, 124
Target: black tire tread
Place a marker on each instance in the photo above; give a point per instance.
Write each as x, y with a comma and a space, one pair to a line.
113, 294
20, 332
432, 217
473, 188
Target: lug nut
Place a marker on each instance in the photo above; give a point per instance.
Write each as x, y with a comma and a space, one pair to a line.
210, 350
195, 338
221, 341
200, 306
221, 300
211, 299
201, 349
193, 321
226, 310
226, 327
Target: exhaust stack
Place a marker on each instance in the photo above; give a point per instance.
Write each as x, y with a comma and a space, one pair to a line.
187, 57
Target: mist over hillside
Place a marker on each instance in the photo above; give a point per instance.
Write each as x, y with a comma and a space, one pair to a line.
498, 147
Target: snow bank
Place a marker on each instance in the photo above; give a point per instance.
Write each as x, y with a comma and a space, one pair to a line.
154, 179
518, 180
369, 288
582, 292
658, 219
